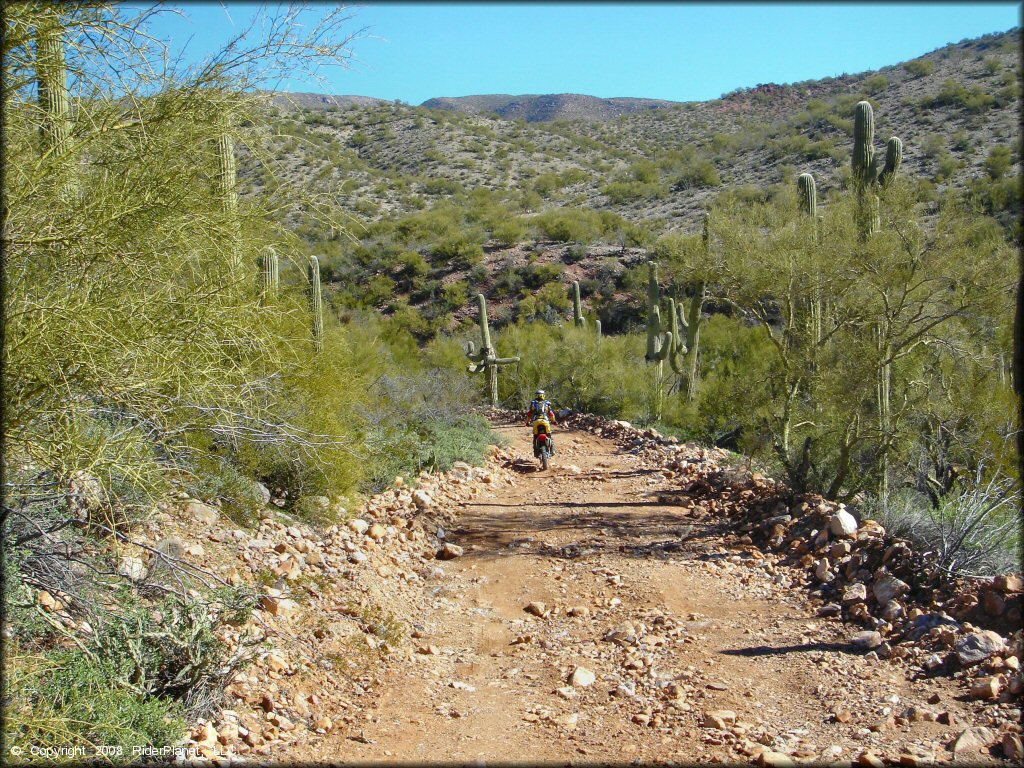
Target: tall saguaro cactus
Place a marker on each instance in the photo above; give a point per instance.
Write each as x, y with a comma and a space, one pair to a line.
54, 100
227, 189
486, 359
663, 340
577, 306
577, 310
270, 279
867, 178
808, 195
316, 306
809, 208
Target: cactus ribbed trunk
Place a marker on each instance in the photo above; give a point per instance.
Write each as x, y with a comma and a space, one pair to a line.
54, 99
227, 188
316, 306
269, 276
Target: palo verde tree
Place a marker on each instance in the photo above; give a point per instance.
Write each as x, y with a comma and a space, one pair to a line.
932, 291
138, 351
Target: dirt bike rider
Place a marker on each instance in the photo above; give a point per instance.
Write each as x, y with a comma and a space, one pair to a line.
540, 410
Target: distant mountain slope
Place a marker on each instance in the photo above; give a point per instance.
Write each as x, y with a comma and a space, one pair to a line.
322, 101
660, 166
534, 108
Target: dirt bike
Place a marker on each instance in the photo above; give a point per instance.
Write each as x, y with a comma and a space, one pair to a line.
543, 445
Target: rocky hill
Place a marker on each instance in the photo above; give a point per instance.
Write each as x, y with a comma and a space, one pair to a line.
951, 107
547, 107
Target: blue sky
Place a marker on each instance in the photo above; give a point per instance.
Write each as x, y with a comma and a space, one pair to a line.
677, 51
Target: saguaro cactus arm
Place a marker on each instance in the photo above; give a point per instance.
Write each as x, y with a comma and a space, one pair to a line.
893, 159
677, 349
269, 275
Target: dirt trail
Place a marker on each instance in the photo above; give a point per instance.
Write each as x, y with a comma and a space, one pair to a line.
672, 623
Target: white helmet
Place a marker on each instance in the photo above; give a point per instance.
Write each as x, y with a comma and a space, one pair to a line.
539, 394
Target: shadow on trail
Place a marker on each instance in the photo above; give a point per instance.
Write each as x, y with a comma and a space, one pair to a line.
765, 650
513, 532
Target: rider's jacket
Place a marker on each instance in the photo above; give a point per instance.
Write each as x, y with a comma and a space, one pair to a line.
540, 408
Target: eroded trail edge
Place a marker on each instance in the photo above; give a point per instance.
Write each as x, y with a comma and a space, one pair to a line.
614, 608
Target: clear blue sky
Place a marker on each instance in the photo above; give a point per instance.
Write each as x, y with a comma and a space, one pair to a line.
682, 52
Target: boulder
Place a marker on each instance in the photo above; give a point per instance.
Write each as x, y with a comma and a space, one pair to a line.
1012, 747
422, 499
719, 718
975, 647
358, 525
867, 640
582, 677
855, 593
888, 588
972, 740
1009, 582
201, 513
842, 524
985, 688
449, 551
132, 568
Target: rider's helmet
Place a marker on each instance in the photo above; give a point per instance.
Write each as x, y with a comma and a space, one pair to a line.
539, 394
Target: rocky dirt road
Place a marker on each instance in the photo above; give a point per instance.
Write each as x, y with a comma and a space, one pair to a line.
598, 614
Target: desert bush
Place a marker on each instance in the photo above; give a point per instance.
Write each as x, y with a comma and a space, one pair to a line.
876, 84
564, 225
999, 161
919, 67
974, 530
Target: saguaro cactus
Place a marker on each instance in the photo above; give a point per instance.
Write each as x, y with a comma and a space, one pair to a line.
486, 359
866, 176
809, 207
227, 172
269, 275
663, 340
808, 195
54, 100
577, 310
227, 189
316, 306
577, 306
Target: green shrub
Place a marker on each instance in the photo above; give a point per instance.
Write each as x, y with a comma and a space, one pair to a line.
920, 67
698, 174
565, 225
876, 83
999, 161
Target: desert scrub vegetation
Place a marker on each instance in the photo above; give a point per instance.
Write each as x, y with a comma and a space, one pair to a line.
166, 337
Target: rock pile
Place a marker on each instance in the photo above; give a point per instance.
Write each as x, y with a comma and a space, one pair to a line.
858, 572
